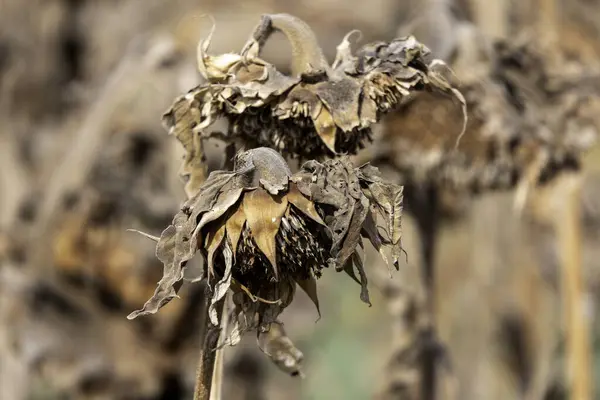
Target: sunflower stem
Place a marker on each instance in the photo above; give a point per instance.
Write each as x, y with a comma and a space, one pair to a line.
423, 203
209, 339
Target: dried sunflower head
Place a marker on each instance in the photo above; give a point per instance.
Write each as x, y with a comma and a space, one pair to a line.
262, 231
527, 121
320, 109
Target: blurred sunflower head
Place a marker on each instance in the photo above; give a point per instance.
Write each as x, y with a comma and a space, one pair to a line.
317, 111
262, 231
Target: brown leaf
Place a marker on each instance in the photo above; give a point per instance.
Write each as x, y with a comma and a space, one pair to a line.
340, 96
353, 235
280, 349
388, 199
214, 68
364, 287
263, 213
222, 286
179, 241
310, 288
267, 167
224, 203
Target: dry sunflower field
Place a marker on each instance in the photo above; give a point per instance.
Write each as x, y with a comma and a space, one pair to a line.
267, 200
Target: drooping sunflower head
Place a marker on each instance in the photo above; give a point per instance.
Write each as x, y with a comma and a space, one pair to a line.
318, 111
257, 233
269, 240
263, 231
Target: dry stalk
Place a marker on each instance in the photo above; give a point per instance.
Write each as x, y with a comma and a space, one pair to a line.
435, 367
209, 340
492, 17
567, 223
14, 179
561, 203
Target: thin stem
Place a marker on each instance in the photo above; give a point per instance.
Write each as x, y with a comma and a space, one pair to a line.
209, 339
217, 378
568, 229
424, 205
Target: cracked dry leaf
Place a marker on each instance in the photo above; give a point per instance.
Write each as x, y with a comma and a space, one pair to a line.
274, 342
319, 110
263, 231
358, 197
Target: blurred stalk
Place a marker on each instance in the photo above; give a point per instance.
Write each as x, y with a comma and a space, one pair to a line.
548, 25
492, 17
567, 224
424, 206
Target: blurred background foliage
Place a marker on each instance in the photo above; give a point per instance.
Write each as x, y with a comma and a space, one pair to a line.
83, 157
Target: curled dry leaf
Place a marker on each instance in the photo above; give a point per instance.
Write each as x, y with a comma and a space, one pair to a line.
319, 110
263, 231
274, 342
357, 196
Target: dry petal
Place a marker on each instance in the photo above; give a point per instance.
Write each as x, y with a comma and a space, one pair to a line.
263, 213
326, 128
221, 286
234, 226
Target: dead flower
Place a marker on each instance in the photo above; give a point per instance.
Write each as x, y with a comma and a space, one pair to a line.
318, 111
262, 230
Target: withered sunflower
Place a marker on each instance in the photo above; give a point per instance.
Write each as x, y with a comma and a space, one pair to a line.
316, 112
262, 230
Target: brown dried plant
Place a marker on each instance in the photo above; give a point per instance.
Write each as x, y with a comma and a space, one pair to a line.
262, 230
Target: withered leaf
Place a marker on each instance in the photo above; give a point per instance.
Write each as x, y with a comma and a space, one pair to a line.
355, 227
309, 286
179, 242
274, 342
214, 238
222, 286
364, 287
358, 196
